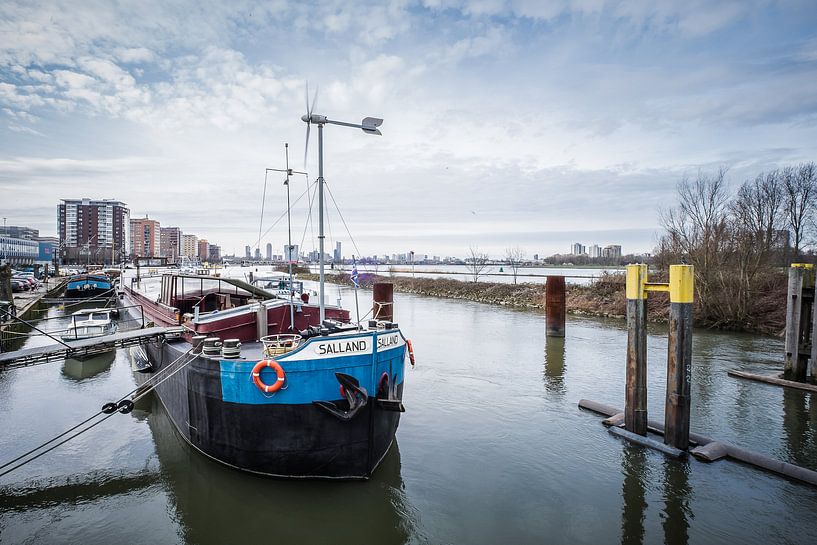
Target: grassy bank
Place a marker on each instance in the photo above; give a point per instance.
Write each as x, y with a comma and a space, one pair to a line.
604, 297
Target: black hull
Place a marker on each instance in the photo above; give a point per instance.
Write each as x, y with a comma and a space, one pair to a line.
291, 441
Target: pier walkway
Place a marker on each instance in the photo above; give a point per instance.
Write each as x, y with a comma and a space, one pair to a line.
84, 348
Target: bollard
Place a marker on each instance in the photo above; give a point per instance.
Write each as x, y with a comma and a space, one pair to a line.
383, 301
555, 306
635, 406
679, 356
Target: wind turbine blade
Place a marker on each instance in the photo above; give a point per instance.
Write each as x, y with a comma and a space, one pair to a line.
306, 144
306, 98
314, 100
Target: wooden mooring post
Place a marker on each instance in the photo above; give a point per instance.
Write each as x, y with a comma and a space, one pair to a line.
555, 302
801, 322
679, 356
383, 301
635, 405
681, 288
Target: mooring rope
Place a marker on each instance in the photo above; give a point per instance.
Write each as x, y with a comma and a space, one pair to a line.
105, 409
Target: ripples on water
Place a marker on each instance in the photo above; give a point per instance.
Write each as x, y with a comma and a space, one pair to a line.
492, 449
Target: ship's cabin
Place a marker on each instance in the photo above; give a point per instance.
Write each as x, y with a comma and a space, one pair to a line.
189, 292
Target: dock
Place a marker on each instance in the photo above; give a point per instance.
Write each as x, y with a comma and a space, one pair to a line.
85, 348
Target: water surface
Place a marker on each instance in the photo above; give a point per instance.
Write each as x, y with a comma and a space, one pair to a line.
492, 449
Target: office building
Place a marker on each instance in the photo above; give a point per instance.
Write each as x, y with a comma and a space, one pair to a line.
16, 231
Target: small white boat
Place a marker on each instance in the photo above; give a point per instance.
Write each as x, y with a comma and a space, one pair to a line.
280, 286
91, 323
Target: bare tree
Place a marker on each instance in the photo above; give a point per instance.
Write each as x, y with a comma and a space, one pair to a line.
697, 233
800, 193
514, 258
476, 262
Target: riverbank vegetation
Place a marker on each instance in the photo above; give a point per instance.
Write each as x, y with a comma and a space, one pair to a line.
741, 244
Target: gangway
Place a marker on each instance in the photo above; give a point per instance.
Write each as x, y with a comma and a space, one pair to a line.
85, 348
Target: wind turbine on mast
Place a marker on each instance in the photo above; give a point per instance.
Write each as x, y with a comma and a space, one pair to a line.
369, 125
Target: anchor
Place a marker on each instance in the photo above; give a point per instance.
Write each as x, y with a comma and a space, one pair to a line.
355, 395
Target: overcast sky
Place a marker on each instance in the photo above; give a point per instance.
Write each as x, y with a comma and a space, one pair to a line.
507, 122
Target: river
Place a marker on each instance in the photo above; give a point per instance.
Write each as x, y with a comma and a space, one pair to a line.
492, 449
491, 273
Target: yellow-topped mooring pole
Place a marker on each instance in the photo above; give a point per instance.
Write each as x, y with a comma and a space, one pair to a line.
635, 406
679, 356
681, 289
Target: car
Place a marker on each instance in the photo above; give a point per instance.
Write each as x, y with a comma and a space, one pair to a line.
18, 285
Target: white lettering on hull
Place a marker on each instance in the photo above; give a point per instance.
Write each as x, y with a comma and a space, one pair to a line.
339, 348
387, 342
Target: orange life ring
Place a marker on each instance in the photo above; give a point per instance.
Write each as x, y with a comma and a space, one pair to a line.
410, 352
279, 371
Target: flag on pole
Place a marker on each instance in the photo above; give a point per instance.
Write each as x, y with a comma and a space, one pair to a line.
354, 274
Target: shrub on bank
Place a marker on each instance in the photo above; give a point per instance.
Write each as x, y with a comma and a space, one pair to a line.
604, 297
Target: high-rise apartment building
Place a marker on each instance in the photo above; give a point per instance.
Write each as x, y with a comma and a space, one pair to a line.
291, 253
170, 241
96, 231
337, 257
190, 246
203, 249
594, 251
145, 237
578, 249
213, 253
269, 251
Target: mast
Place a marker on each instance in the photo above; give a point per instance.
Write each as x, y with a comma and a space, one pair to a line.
320, 222
289, 172
369, 125
289, 245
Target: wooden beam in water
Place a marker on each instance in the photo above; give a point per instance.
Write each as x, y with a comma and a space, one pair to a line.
777, 380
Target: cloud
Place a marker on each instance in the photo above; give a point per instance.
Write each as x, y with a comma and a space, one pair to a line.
538, 116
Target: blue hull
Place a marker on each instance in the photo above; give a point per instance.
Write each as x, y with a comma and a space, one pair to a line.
91, 286
218, 409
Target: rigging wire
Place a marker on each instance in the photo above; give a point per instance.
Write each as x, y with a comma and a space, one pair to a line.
354, 242
309, 217
283, 214
309, 222
263, 203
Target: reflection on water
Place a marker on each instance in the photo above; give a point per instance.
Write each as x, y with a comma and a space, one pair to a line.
217, 504
81, 369
633, 465
677, 493
555, 365
799, 422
